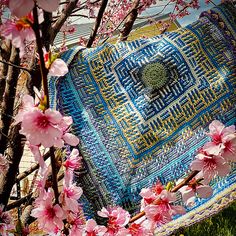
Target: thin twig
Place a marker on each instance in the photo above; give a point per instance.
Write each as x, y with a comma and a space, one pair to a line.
29, 197
63, 17
54, 175
97, 23
43, 68
17, 203
31, 169
16, 66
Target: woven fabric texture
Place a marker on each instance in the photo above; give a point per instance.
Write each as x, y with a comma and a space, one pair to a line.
141, 110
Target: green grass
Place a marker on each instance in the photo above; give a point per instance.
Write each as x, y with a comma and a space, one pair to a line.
222, 224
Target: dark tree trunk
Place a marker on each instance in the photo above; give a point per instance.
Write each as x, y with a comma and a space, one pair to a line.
9, 99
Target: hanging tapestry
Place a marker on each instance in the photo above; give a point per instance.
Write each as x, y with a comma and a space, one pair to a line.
141, 110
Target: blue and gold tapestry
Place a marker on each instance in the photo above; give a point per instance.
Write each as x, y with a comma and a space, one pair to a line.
141, 110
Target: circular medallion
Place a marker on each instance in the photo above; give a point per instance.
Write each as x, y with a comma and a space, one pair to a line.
154, 75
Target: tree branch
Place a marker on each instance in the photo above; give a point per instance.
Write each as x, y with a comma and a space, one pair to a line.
47, 29
129, 22
43, 69
61, 20
54, 175
29, 198
9, 98
5, 52
19, 202
31, 169
97, 23
15, 152
16, 66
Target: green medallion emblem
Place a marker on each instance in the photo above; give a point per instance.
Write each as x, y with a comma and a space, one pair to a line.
154, 75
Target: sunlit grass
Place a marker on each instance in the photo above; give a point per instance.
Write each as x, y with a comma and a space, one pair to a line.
222, 224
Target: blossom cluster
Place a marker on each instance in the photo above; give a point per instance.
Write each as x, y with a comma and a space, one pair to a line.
212, 160
50, 215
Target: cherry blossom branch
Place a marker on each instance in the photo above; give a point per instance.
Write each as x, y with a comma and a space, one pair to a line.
175, 189
185, 181
83, 6
54, 175
31, 169
117, 27
29, 198
47, 30
63, 17
129, 22
19, 202
43, 69
97, 23
44, 73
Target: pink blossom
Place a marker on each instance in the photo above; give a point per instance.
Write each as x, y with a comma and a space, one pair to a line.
44, 126
118, 218
150, 194
210, 166
18, 32
6, 222
229, 149
56, 66
72, 163
157, 215
139, 230
27, 105
219, 135
77, 222
4, 165
41, 128
50, 217
122, 231
69, 197
67, 137
21, 8
165, 209
166, 198
68, 178
92, 229
148, 197
194, 187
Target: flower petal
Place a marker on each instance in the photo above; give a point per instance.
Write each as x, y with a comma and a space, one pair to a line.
58, 68
196, 165
70, 139
204, 191
49, 6
21, 8
216, 127
90, 225
223, 170
212, 148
